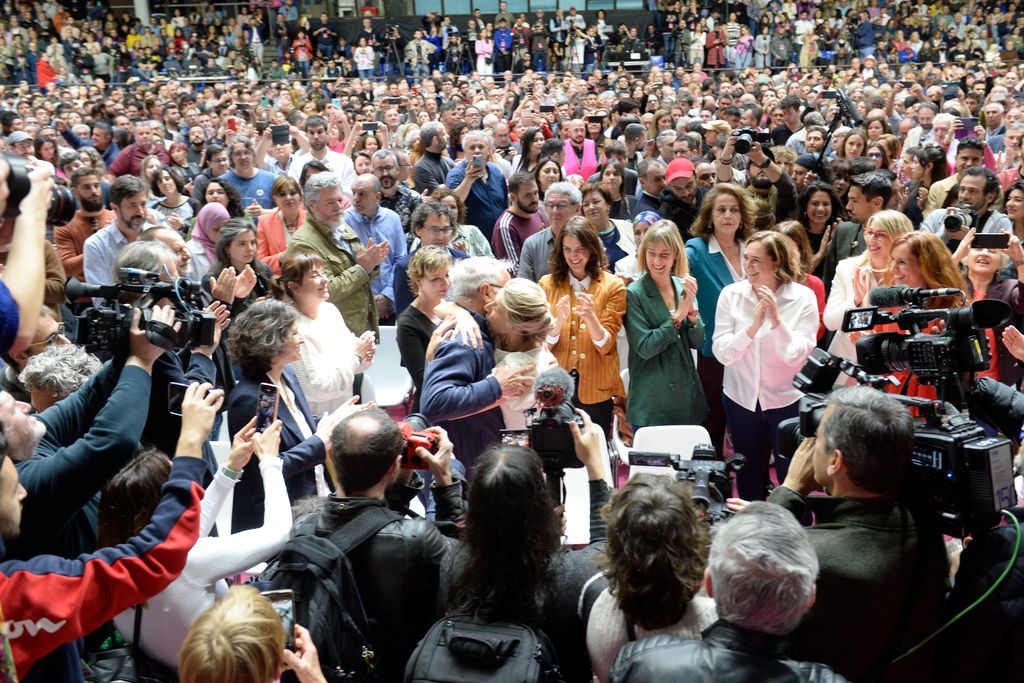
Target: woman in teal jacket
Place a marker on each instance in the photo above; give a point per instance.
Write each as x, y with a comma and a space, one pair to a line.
663, 326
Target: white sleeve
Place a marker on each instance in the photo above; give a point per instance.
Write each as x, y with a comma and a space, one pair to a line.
796, 334
324, 375
217, 557
840, 297
213, 501
731, 341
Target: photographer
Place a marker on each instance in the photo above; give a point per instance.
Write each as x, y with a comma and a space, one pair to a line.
769, 184
883, 572
21, 285
977, 195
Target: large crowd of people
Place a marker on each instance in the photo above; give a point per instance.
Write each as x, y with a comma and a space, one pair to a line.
678, 239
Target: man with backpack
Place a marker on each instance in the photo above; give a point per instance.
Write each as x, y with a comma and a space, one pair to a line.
366, 578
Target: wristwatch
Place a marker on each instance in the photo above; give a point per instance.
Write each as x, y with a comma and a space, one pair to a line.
766, 164
229, 473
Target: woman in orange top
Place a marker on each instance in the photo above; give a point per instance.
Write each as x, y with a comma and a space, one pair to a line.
277, 227
589, 303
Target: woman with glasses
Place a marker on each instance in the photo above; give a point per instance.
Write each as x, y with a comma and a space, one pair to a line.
878, 155
433, 224
331, 355
277, 227
465, 237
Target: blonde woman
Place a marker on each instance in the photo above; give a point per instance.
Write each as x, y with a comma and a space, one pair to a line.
241, 639
856, 276
664, 327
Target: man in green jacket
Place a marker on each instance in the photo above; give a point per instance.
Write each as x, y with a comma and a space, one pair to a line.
883, 574
349, 265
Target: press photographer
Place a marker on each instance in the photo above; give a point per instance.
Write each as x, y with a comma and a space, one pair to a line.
977, 196
883, 573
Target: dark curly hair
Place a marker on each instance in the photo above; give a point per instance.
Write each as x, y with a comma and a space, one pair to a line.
131, 496
657, 550
582, 229
510, 536
259, 334
234, 207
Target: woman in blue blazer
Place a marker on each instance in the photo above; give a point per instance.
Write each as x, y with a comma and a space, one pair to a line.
726, 220
264, 340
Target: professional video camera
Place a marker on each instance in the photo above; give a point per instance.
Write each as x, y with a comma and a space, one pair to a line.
847, 109
62, 200
414, 429
549, 427
104, 329
746, 137
709, 477
961, 218
933, 358
962, 475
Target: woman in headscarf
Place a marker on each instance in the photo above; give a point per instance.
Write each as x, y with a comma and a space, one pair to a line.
205, 234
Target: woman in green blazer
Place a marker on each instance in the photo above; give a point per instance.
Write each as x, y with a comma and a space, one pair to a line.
663, 327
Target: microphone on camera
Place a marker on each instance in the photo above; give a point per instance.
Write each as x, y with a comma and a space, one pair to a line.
901, 295
553, 387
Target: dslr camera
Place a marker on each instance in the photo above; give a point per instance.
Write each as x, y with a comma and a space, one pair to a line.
710, 478
104, 329
746, 137
962, 217
63, 203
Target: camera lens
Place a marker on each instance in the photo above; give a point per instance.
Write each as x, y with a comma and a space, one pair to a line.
743, 143
955, 221
18, 183
63, 205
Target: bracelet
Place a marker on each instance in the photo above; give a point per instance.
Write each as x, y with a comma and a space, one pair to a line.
230, 473
726, 161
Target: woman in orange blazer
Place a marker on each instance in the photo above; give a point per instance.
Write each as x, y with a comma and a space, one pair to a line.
277, 227
589, 303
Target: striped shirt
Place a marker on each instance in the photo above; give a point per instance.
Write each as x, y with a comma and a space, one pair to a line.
510, 231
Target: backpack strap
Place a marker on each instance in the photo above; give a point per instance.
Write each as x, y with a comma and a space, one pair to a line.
361, 528
592, 589
630, 631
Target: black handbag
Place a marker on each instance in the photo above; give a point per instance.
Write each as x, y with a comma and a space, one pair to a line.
129, 664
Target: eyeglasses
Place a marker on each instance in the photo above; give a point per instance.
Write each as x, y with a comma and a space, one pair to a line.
440, 231
557, 206
875, 155
385, 169
50, 339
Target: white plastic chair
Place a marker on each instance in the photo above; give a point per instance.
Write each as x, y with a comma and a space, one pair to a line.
390, 382
679, 439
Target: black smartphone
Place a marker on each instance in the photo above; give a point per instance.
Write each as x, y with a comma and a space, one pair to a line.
394, 101
266, 406
859, 319
547, 108
175, 396
279, 134
829, 95
595, 119
516, 437
951, 91
370, 126
968, 124
907, 84
283, 602
643, 459
991, 240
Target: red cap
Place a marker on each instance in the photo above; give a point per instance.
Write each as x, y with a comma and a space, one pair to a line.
679, 168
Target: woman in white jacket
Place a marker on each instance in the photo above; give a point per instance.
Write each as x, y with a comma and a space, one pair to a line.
130, 497
856, 276
765, 328
331, 354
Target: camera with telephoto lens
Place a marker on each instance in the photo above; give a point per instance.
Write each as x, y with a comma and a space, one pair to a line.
709, 478
962, 217
63, 202
104, 329
746, 137
414, 430
550, 437
958, 473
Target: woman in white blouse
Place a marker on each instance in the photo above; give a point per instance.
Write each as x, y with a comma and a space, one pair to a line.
129, 498
856, 276
765, 328
331, 354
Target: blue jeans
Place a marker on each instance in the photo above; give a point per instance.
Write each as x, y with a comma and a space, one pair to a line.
866, 51
365, 73
754, 435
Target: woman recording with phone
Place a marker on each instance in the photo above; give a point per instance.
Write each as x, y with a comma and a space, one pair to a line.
765, 328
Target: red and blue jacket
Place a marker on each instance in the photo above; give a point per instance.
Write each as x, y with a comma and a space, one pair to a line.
50, 602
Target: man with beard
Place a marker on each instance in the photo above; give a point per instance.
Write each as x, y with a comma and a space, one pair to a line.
316, 131
196, 140
581, 156
349, 265
87, 185
129, 161
173, 240
519, 221
128, 198
770, 186
394, 195
681, 198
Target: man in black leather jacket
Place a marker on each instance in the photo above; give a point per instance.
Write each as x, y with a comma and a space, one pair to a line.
397, 571
761, 572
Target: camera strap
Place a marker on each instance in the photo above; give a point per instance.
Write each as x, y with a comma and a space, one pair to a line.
913, 594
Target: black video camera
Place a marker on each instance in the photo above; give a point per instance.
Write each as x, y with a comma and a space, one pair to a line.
550, 437
709, 477
104, 329
746, 137
957, 472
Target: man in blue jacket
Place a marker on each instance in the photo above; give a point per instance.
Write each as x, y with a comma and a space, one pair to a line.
461, 386
502, 47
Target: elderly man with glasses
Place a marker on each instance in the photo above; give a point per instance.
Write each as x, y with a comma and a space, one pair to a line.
49, 332
394, 194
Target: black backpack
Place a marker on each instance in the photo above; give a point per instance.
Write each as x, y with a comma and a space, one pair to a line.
316, 567
464, 649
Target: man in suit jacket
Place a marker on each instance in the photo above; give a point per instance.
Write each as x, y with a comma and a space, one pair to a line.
462, 386
869, 194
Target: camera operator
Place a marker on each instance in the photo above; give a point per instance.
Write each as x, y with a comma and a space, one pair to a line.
24, 275
769, 184
761, 572
63, 600
979, 191
883, 572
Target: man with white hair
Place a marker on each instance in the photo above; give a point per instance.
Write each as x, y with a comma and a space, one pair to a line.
761, 572
462, 386
479, 183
